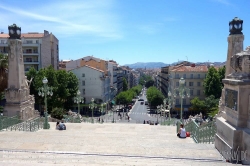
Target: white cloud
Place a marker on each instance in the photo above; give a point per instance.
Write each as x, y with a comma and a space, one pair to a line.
224, 2
66, 17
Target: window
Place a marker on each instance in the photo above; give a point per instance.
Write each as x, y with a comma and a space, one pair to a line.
28, 51
177, 101
191, 84
35, 50
28, 60
191, 75
199, 76
184, 75
198, 92
29, 41
184, 101
198, 83
83, 91
177, 83
191, 93
2, 41
37, 41
83, 74
177, 76
83, 83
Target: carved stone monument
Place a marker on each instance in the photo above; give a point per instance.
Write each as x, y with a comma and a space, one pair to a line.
18, 100
233, 126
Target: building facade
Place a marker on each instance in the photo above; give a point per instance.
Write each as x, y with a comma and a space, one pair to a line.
40, 50
194, 78
93, 83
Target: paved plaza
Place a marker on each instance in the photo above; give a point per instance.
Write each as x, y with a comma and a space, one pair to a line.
105, 144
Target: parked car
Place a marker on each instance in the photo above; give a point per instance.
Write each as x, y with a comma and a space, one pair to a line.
142, 103
146, 102
140, 100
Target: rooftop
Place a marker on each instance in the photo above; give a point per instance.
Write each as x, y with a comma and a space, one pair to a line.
183, 68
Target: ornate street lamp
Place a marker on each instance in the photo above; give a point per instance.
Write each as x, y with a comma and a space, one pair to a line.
44, 91
14, 32
183, 92
78, 99
102, 109
164, 109
158, 110
92, 106
170, 102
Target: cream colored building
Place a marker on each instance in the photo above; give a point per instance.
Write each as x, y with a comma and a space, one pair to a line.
40, 50
194, 78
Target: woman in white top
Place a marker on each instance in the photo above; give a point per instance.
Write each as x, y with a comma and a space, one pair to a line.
182, 132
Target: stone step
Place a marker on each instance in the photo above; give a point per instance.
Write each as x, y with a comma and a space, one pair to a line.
107, 144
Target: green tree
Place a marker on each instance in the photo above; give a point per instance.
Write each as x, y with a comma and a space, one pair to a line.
197, 104
125, 84
221, 72
64, 84
154, 96
58, 113
212, 83
3, 72
149, 83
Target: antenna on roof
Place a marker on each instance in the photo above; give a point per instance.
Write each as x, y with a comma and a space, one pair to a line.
187, 58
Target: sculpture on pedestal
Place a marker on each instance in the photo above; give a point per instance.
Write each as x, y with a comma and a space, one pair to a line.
233, 124
18, 100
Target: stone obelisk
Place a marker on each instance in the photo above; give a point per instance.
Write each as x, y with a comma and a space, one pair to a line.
18, 100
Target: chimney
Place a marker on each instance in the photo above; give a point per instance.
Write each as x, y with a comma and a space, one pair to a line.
193, 65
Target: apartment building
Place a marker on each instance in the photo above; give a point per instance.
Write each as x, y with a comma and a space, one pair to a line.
40, 50
194, 77
93, 83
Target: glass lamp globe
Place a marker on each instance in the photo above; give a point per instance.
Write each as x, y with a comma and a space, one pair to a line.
169, 93
182, 81
92, 99
78, 92
45, 81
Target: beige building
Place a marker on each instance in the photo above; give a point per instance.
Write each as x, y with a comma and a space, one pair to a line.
39, 49
194, 77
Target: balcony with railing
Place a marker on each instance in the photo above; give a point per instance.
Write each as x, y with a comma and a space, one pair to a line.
30, 61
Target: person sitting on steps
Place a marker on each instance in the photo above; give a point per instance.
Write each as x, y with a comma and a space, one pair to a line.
182, 132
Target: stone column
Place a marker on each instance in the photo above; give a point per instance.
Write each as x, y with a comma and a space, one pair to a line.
235, 45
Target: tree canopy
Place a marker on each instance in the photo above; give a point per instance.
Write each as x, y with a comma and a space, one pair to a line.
3, 72
125, 84
64, 84
154, 96
212, 83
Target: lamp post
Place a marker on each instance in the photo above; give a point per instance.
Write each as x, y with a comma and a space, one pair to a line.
164, 109
78, 99
170, 101
158, 108
102, 105
44, 91
182, 89
92, 105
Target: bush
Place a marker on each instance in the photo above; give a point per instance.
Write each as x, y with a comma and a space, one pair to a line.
58, 113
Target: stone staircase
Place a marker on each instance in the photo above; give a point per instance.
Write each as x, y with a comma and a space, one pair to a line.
105, 144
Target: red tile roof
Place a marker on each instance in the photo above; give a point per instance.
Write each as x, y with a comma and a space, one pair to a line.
183, 68
25, 35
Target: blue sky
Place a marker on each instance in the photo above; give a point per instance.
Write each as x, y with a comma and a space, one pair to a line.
130, 31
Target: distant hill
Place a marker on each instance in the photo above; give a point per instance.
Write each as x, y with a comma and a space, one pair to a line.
154, 65
148, 65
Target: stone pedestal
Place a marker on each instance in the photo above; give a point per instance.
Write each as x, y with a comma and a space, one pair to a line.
233, 128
